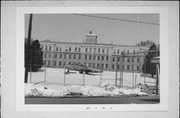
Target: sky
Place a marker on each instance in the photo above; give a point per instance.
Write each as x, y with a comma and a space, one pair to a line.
74, 27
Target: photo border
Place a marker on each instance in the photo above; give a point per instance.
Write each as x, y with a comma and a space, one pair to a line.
9, 60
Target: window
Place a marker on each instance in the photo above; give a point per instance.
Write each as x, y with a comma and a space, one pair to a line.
49, 54
123, 67
46, 47
127, 51
107, 58
60, 56
102, 65
98, 50
132, 59
98, 58
74, 56
118, 51
45, 54
97, 65
90, 49
137, 67
55, 55
138, 59
113, 59
118, 58
69, 49
102, 58
112, 66
118, 66
64, 56
70, 56
102, 50
107, 50
133, 51
93, 65
56, 48
75, 49
59, 63
127, 67
89, 64
49, 63
106, 66
86, 50
79, 57
94, 50
79, 49
127, 59
89, 57
49, 47
94, 58
69, 63
60, 49
54, 63
44, 62
114, 51
85, 57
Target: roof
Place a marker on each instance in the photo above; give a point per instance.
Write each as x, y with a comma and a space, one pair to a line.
78, 43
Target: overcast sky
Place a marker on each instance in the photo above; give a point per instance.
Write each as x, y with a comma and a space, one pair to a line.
73, 27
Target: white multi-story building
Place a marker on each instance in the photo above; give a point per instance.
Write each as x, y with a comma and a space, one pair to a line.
93, 54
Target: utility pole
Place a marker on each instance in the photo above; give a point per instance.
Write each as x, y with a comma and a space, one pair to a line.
157, 81
133, 82
121, 72
145, 69
84, 77
64, 76
53, 64
27, 65
116, 71
157, 74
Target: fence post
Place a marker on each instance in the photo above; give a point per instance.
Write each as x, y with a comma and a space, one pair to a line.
30, 73
64, 76
121, 72
157, 80
83, 78
132, 77
145, 70
116, 72
100, 79
135, 79
45, 76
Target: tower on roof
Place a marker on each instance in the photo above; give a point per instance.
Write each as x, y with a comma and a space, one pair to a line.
91, 38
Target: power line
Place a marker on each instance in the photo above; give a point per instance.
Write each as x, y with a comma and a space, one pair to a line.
116, 19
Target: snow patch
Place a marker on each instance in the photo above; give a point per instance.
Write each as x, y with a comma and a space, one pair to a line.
77, 90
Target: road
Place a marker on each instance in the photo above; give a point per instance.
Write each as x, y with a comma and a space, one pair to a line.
95, 100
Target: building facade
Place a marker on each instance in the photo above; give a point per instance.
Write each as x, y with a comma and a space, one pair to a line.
96, 55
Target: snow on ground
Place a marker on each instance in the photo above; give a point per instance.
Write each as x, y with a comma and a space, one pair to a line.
95, 85
78, 90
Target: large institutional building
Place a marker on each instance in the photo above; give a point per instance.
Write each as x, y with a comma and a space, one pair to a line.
93, 54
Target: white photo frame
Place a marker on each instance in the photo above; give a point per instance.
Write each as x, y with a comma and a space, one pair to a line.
16, 87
